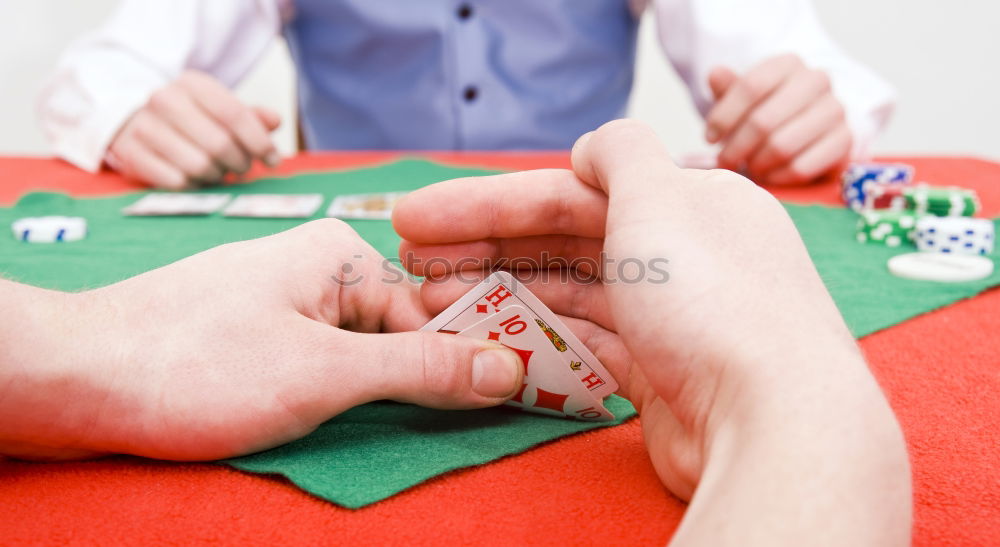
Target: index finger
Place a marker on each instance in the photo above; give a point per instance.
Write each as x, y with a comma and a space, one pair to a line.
747, 92
232, 114
527, 203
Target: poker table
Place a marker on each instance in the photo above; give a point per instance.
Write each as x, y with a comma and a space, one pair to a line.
940, 371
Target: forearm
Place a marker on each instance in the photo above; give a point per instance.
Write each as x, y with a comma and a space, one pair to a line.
814, 457
50, 384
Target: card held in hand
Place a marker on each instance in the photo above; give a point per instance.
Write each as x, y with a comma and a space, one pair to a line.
499, 291
549, 387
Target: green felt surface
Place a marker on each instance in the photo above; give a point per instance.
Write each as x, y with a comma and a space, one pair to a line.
869, 297
376, 450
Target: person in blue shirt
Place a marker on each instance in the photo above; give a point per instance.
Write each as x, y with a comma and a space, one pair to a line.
149, 92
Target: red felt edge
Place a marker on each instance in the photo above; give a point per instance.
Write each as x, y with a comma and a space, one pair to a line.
939, 370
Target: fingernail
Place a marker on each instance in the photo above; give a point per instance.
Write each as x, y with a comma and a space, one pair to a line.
272, 159
494, 373
711, 135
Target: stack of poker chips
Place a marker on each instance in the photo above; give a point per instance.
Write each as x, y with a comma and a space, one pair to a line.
867, 185
891, 228
941, 201
955, 234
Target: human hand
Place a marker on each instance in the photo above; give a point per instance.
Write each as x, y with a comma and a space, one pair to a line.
780, 122
233, 350
747, 381
193, 131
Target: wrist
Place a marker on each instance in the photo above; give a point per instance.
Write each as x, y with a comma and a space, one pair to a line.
803, 447
55, 377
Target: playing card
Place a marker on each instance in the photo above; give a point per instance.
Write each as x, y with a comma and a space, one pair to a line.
176, 204
274, 205
501, 290
364, 206
549, 387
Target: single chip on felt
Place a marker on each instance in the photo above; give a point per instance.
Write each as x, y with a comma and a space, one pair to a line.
944, 268
50, 229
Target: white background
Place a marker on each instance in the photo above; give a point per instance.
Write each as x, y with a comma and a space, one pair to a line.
942, 57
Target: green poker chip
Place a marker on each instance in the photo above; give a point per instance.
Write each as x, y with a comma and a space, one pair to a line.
941, 201
885, 226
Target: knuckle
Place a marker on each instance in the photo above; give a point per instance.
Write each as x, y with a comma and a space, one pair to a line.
441, 379
217, 144
190, 76
161, 100
616, 129
781, 149
325, 228
753, 88
142, 125
791, 59
234, 114
199, 165
761, 123
822, 79
839, 112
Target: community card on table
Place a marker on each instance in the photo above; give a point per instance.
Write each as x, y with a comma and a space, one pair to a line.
176, 204
274, 205
364, 206
500, 291
549, 387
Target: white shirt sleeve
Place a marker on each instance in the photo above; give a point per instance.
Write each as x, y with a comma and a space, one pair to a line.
698, 35
104, 77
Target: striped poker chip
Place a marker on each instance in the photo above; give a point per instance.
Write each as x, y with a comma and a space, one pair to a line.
957, 235
862, 179
890, 228
51, 229
942, 201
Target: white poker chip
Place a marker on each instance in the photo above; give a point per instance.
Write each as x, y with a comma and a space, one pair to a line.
49, 229
946, 268
956, 235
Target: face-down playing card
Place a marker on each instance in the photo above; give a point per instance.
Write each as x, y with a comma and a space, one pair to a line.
550, 386
500, 291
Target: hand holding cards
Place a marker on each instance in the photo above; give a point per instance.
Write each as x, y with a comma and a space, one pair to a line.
562, 377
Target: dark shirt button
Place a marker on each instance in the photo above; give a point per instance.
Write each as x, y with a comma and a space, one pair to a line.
470, 93
464, 12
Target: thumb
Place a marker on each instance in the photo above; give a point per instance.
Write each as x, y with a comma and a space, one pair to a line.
268, 117
442, 370
720, 80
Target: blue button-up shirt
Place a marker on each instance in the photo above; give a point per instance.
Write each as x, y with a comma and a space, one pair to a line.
448, 74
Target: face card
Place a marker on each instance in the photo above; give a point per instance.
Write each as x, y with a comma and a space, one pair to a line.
549, 387
501, 290
176, 204
274, 205
364, 206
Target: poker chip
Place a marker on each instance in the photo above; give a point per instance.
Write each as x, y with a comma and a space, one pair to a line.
885, 196
957, 235
50, 229
862, 179
891, 228
940, 267
942, 201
